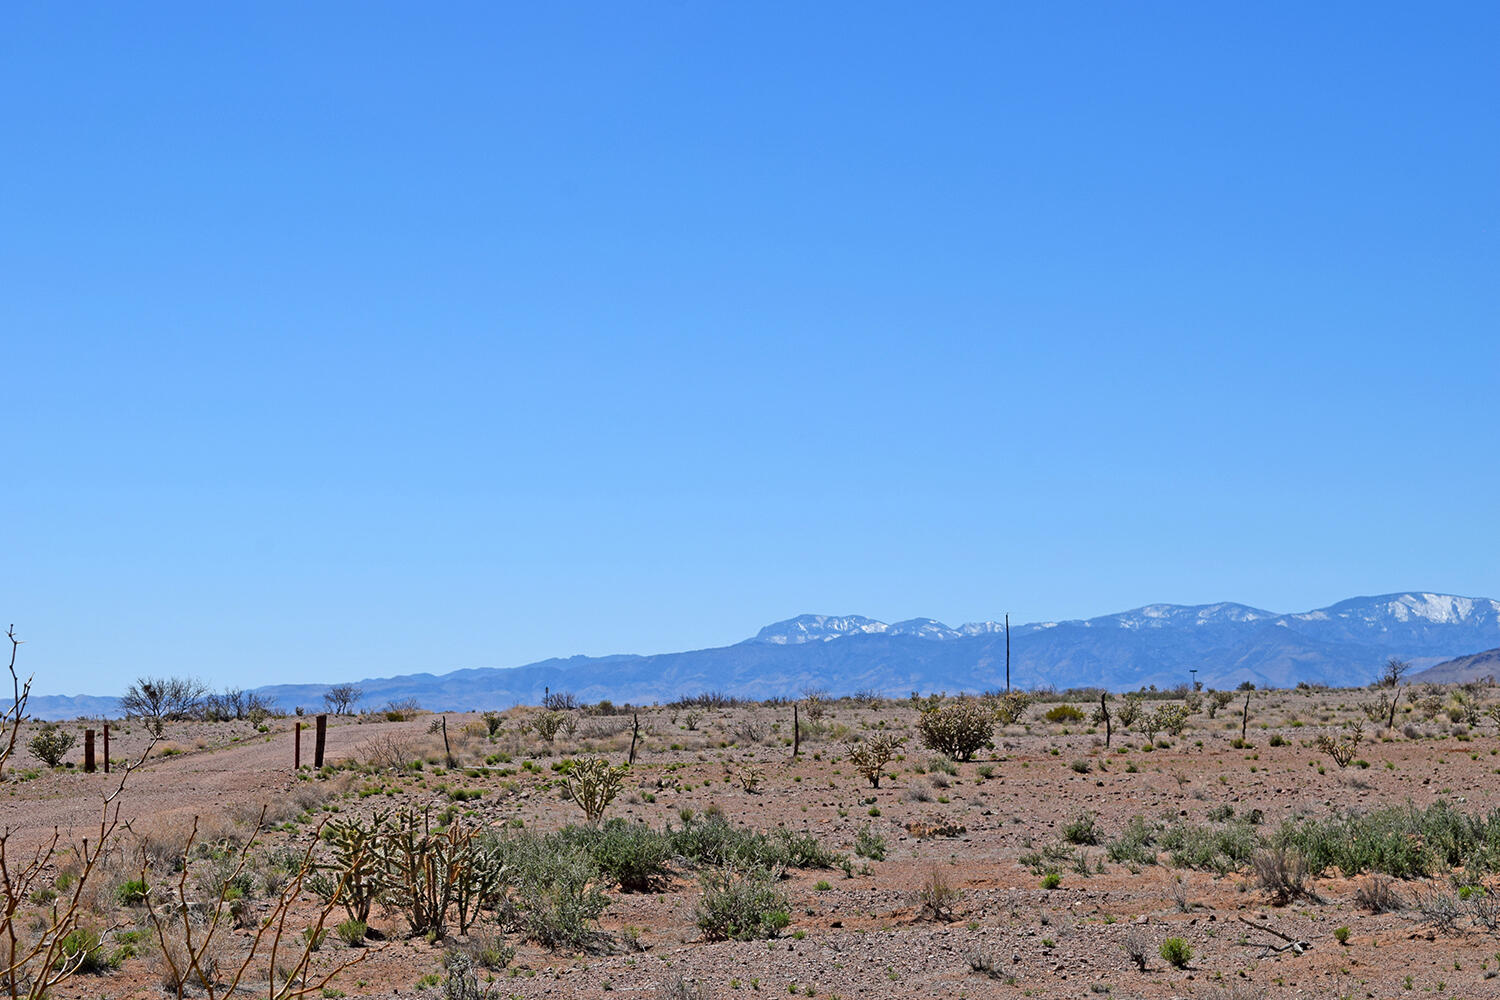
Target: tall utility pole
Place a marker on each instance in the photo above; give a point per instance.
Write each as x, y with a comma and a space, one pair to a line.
1007, 654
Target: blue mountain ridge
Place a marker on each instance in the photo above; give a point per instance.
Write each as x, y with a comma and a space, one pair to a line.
1345, 644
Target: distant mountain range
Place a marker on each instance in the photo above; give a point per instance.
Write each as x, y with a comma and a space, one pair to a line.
1462, 669
1227, 644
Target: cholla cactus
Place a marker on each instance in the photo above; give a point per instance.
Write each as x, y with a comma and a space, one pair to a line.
958, 730
1171, 718
872, 754
593, 783
547, 724
1011, 708
1343, 750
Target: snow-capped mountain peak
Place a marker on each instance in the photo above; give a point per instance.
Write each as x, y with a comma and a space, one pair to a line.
818, 628
1413, 607
1416, 611
925, 628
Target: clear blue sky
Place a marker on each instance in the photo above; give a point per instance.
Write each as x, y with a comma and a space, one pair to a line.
344, 340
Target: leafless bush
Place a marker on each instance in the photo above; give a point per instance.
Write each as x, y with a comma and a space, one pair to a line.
1486, 910
341, 698
750, 731
190, 930
983, 961
1377, 893
1440, 909
236, 703
1137, 947
679, 987
388, 751
158, 700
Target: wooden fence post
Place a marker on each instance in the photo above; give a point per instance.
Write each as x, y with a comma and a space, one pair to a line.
796, 731
88, 750
106, 748
319, 739
635, 734
297, 752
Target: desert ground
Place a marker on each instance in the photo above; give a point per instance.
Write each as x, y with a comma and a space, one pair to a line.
1200, 863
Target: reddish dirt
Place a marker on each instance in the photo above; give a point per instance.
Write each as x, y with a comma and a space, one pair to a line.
863, 935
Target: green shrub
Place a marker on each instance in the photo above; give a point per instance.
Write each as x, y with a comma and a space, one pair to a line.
131, 892
714, 841
742, 904
632, 855
1221, 849
1403, 842
1176, 952
1137, 843
352, 932
1051, 880
869, 844
1063, 713
82, 946
555, 887
1080, 830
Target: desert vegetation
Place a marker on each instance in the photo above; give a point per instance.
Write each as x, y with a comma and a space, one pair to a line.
1269, 842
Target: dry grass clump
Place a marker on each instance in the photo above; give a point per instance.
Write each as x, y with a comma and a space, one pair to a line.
937, 898
1282, 872
1377, 893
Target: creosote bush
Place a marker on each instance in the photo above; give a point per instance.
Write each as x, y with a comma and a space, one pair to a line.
742, 904
1176, 952
1063, 713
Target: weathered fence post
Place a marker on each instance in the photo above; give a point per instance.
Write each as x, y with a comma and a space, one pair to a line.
635, 734
297, 745
106, 748
319, 739
1245, 719
88, 750
796, 731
